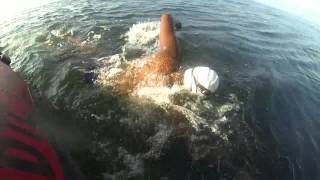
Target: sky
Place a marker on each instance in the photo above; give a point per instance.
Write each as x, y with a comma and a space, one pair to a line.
308, 9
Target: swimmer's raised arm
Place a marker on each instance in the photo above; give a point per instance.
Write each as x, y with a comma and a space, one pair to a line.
166, 60
168, 42
160, 68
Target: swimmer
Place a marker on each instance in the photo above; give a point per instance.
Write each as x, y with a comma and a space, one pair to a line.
160, 69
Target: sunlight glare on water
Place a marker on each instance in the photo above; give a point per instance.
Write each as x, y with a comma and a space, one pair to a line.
308, 9
11, 9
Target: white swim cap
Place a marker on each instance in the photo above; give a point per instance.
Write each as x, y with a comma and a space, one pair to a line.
202, 78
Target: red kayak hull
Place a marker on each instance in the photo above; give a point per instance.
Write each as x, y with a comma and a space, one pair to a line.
25, 153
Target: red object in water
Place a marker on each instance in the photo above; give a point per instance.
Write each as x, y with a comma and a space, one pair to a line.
25, 152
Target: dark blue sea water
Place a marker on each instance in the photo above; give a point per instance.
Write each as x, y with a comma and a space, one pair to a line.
265, 114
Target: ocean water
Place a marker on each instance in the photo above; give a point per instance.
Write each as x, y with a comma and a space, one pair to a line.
262, 123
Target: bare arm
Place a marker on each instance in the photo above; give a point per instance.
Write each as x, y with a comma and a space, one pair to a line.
166, 60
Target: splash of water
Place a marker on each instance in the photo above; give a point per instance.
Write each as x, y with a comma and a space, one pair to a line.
143, 37
143, 34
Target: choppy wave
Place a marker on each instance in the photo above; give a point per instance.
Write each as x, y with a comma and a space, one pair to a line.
143, 37
261, 124
196, 114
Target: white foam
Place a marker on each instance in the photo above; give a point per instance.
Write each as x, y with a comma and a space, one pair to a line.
144, 37
93, 37
222, 110
110, 67
62, 38
195, 120
57, 33
158, 94
114, 71
141, 37
143, 33
105, 28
